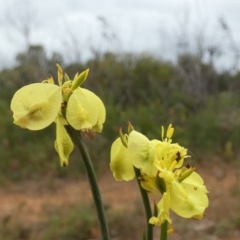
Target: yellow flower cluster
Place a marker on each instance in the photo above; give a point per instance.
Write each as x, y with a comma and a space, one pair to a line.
37, 105
162, 171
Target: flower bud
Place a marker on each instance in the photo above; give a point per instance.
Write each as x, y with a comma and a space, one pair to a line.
79, 79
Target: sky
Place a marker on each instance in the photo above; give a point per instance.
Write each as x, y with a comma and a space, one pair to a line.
77, 28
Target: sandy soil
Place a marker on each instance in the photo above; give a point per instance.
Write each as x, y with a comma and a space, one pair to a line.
28, 199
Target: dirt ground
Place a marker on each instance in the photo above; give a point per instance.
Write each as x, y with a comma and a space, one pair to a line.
222, 220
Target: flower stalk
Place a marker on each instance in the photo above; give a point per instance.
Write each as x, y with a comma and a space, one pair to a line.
147, 207
77, 139
164, 231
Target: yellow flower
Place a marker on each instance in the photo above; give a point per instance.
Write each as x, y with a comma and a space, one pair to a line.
146, 155
37, 105
162, 172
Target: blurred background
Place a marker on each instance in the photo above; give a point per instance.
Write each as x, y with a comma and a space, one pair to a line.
152, 63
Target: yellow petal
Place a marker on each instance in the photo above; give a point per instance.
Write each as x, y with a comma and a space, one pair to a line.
196, 180
149, 184
195, 202
61, 118
121, 167
163, 207
170, 131
36, 106
63, 144
99, 106
81, 112
170, 152
142, 153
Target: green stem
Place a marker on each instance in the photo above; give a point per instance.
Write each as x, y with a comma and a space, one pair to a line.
146, 204
164, 227
76, 137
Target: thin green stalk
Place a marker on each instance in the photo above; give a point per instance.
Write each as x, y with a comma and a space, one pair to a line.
163, 235
76, 137
162, 188
147, 207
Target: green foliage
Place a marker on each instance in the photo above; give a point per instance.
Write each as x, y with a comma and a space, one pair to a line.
202, 104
